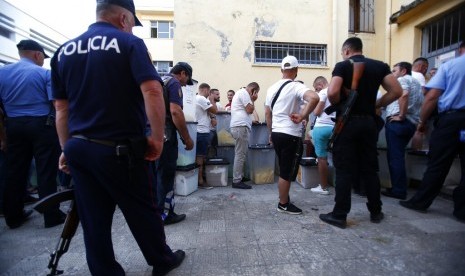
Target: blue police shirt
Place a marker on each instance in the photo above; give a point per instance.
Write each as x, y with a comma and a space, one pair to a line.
450, 78
25, 89
100, 73
175, 91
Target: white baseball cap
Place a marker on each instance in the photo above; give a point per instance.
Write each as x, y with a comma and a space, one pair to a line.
289, 62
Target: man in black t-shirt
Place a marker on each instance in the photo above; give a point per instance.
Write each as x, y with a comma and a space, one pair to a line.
354, 152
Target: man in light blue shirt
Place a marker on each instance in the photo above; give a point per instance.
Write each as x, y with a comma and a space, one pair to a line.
446, 91
25, 93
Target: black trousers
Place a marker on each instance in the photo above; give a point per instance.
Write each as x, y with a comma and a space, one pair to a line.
29, 137
102, 181
444, 146
355, 159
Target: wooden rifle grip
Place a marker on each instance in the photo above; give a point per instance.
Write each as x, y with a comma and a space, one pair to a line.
358, 68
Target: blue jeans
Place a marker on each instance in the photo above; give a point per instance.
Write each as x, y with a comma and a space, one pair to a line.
398, 134
165, 174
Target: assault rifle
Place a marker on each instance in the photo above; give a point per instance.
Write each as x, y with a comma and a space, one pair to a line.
343, 109
69, 228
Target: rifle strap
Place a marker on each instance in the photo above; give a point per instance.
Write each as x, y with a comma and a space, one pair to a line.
279, 92
357, 72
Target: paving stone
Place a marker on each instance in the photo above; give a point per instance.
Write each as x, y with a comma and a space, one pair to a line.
239, 232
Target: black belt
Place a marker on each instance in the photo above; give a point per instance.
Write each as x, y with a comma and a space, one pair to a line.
361, 115
452, 111
97, 141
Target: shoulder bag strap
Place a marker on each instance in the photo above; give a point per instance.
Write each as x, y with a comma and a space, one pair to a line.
279, 92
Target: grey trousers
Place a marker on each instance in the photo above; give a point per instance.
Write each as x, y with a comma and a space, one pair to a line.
241, 136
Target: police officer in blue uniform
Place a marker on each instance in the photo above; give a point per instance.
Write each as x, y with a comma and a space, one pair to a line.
26, 96
446, 92
180, 75
106, 88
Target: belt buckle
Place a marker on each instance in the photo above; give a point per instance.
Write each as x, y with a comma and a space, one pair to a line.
122, 150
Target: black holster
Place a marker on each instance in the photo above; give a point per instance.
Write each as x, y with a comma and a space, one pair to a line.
138, 147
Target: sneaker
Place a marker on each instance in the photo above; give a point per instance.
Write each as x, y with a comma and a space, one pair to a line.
241, 185
173, 218
289, 208
320, 190
205, 186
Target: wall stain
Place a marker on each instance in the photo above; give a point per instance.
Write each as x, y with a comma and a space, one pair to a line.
262, 28
265, 28
236, 14
225, 43
191, 48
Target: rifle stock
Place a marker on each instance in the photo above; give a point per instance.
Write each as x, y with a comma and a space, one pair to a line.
53, 200
345, 107
69, 228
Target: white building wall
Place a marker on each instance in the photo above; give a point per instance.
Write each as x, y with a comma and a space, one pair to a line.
21, 26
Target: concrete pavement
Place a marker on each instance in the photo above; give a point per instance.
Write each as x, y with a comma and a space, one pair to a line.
239, 232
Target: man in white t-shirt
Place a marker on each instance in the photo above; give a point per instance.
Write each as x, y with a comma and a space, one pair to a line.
213, 141
322, 130
202, 109
242, 106
283, 119
419, 69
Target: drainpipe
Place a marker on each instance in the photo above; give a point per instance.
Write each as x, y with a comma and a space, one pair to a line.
334, 38
388, 56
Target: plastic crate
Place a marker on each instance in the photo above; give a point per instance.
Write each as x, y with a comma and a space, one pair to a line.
223, 129
307, 175
188, 102
186, 180
186, 157
228, 153
261, 163
216, 171
259, 134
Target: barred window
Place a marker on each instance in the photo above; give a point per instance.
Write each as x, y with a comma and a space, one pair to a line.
162, 29
362, 16
444, 34
163, 67
306, 54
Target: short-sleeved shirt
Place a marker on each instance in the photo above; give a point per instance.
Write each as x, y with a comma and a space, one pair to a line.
419, 77
173, 87
369, 83
239, 116
450, 78
100, 73
25, 89
325, 119
288, 102
415, 99
202, 104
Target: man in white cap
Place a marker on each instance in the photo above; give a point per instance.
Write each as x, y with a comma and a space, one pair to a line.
283, 118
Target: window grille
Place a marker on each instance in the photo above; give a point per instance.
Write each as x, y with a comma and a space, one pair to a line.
163, 67
444, 34
306, 54
361, 16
